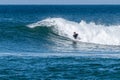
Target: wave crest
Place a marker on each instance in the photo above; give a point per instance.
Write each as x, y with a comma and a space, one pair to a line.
88, 32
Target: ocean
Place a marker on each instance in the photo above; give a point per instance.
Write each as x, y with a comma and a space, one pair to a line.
36, 42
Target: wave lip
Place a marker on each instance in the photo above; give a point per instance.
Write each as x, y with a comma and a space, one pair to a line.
88, 32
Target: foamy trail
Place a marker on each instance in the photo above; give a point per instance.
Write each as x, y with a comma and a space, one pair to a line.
88, 32
46, 55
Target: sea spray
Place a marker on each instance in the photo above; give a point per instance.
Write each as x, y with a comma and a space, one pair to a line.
88, 32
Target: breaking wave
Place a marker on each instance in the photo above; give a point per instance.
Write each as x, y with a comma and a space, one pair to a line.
88, 32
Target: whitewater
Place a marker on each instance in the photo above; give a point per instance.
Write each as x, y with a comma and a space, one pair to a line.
88, 32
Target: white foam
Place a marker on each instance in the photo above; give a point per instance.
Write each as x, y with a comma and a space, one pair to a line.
88, 32
46, 55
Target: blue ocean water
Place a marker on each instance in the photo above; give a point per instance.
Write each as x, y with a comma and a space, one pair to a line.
36, 42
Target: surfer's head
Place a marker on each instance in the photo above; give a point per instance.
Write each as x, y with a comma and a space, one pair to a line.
74, 32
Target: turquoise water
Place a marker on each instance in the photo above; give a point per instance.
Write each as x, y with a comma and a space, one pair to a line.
36, 42
17, 67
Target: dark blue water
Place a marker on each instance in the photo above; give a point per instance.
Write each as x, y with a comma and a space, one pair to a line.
47, 52
88, 13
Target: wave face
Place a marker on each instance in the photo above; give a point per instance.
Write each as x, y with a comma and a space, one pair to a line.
88, 32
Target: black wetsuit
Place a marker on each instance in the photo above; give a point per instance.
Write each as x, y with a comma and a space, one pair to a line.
75, 36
